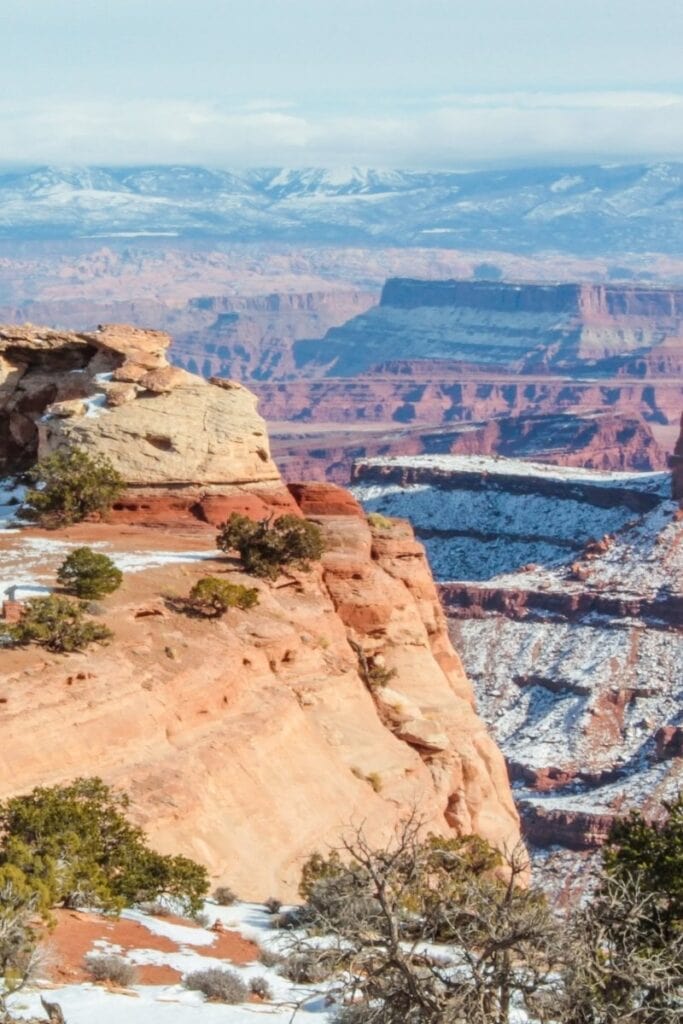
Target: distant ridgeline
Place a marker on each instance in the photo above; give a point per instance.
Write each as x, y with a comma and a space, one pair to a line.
528, 328
584, 210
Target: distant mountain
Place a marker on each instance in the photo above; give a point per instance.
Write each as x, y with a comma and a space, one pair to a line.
596, 209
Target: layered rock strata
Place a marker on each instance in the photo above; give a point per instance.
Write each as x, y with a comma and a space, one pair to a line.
250, 741
185, 446
513, 327
595, 440
564, 593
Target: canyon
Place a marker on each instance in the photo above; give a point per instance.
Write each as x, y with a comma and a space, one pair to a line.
564, 594
249, 741
578, 374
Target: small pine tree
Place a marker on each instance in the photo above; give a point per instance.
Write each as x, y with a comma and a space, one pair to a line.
89, 574
57, 624
265, 547
71, 486
212, 597
76, 844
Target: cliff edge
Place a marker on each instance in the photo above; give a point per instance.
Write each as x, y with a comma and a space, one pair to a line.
249, 741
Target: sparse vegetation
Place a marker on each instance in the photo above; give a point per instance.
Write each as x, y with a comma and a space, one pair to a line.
372, 668
89, 574
56, 623
268, 957
74, 846
260, 986
266, 547
224, 896
110, 968
379, 522
378, 675
212, 597
70, 486
19, 957
273, 905
306, 967
617, 959
218, 984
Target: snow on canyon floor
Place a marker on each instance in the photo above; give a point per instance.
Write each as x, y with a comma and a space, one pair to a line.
163, 950
575, 699
480, 516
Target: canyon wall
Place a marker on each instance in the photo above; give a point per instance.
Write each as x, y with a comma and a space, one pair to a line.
501, 325
564, 594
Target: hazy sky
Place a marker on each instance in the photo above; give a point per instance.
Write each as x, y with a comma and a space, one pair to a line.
403, 83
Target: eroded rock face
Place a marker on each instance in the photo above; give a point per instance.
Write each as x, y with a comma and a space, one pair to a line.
522, 327
179, 442
593, 440
564, 594
251, 741
677, 467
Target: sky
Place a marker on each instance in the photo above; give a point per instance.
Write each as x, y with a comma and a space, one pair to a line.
384, 83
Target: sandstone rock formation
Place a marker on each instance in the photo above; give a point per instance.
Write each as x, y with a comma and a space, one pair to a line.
180, 442
603, 440
250, 741
436, 355
514, 327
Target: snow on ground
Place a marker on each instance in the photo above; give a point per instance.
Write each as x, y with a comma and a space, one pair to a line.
166, 1004
644, 559
157, 1004
540, 686
11, 496
29, 564
477, 534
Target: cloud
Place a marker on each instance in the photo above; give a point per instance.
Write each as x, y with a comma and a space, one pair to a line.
450, 131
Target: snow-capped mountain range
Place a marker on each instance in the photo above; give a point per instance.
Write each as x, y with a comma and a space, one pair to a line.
615, 208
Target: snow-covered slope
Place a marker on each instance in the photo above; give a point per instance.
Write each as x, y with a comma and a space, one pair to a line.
163, 951
479, 516
576, 660
585, 209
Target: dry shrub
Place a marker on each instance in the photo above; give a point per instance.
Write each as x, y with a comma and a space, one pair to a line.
218, 985
269, 958
112, 968
260, 986
305, 967
224, 896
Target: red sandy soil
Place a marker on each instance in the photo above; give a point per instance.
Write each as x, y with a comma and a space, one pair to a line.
75, 933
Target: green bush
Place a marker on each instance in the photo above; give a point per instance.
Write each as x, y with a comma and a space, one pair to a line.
56, 623
379, 522
89, 574
652, 853
72, 486
265, 547
212, 597
73, 845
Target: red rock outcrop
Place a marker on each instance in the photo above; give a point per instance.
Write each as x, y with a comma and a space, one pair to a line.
603, 440
250, 741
